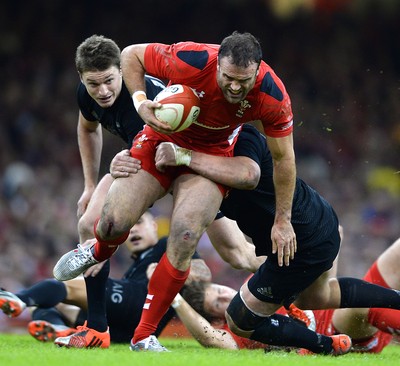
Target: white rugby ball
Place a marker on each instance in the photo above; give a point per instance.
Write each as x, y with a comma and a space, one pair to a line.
180, 106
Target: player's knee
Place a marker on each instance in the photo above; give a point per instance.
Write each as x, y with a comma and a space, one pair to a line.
85, 227
241, 320
185, 233
109, 229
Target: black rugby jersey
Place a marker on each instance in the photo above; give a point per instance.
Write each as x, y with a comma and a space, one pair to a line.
313, 218
121, 119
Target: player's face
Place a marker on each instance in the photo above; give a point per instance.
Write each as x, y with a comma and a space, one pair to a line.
217, 299
103, 86
142, 235
234, 81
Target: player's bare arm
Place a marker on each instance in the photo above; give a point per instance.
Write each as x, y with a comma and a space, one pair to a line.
133, 72
200, 328
232, 245
282, 234
90, 141
237, 172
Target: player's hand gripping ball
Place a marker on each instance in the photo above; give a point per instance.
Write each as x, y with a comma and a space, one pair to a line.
180, 106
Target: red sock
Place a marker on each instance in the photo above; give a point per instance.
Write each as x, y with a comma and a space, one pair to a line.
104, 249
386, 320
164, 284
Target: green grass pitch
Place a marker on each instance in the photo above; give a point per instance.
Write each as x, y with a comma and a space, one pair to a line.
23, 350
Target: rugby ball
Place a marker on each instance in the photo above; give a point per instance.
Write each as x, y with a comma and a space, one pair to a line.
180, 106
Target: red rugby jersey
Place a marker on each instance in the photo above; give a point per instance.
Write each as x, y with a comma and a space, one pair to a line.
216, 130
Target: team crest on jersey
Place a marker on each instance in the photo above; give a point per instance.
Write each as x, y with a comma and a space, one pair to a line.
244, 104
139, 143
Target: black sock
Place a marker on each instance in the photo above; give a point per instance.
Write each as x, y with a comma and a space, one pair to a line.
44, 294
51, 315
357, 293
96, 296
279, 330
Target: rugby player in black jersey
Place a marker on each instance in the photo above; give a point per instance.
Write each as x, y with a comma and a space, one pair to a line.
280, 282
104, 102
123, 298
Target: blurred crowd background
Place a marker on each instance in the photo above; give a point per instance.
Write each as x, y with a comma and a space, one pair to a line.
339, 60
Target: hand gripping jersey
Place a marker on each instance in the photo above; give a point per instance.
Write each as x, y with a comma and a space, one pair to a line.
219, 121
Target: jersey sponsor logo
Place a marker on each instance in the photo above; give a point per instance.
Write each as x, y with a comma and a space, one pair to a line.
275, 322
116, 294
201, 94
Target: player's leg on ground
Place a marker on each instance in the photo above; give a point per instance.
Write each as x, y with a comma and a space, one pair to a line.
278, 330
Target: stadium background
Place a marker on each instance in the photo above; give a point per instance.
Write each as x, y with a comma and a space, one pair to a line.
339, 60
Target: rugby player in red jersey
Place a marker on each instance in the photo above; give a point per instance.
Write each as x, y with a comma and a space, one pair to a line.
235, 86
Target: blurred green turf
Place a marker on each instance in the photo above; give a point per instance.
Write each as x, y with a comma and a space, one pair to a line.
23, 350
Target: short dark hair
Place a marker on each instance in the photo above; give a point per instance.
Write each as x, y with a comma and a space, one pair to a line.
242, 48
194, 294
97, 53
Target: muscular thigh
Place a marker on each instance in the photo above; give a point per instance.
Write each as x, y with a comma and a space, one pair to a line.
196, 201
128, 198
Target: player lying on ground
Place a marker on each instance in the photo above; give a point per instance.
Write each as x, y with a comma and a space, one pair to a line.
371, 329
260, 202
306, 279
53, 317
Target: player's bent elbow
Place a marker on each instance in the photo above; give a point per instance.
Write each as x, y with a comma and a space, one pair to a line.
252, 178
130, 52
126, 51
247, 173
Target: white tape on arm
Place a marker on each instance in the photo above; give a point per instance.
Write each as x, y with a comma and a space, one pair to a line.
138, 98
183, 156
